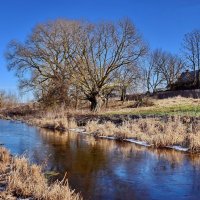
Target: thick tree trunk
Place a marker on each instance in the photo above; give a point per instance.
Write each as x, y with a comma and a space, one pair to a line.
96, 103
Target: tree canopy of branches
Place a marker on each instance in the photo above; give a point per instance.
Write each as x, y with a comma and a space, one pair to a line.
62, 55
43, 62
128, 78
105, 48
152, 77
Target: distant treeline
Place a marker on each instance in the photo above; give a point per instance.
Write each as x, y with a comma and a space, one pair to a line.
7, 99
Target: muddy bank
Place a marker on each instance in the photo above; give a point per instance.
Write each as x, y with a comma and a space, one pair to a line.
82, 120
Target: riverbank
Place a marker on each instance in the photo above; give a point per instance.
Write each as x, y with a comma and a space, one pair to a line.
152, 132
175, 132
180, 132
19, 179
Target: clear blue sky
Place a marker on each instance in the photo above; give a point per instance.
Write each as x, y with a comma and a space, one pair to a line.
162, 22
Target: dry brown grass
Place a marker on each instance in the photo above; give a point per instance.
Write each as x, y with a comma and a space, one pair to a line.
176, 101
4, 159
154, 131
25, 180
55, 119
54, 123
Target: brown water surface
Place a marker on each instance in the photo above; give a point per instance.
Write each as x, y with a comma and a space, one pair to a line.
104, 169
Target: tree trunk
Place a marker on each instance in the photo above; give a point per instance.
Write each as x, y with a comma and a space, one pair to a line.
76, 103
107, 102
123, 94
96, 103
76, 98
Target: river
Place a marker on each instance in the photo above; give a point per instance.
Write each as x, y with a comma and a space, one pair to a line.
105, 169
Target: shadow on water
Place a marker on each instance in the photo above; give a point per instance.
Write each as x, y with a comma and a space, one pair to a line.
104, 169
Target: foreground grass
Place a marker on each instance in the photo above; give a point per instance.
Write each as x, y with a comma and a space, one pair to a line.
156, 132
20, 179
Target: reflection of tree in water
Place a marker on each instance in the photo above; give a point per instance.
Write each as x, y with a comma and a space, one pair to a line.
173, 157
72, 154
95, 165
195, 160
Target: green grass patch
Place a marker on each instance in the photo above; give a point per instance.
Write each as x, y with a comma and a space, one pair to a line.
189, 110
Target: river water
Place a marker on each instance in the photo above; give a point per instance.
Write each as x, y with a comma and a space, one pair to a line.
105, 169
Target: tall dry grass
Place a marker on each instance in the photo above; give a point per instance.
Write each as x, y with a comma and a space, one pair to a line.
4, 160
154, 131
61, 124
54, 119
28, 181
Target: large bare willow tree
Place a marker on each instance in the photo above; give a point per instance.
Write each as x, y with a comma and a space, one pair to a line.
104, 49
61, 56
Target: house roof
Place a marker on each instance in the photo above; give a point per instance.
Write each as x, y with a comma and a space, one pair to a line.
188, 76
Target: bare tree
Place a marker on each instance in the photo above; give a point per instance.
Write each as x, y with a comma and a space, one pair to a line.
7, 99
62, 55
43, 62
152, 77
128, 78
163, 70
169, 66
191, 51
105, 48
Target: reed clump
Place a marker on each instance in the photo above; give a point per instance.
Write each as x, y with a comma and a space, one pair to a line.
28, 181
56, 120
154, 131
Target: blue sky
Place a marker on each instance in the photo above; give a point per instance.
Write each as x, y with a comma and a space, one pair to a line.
162, 23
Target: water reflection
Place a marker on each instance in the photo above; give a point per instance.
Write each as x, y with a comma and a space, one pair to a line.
105, 169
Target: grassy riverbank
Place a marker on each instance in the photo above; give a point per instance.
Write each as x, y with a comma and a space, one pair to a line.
171, 106
19, 179
160, 123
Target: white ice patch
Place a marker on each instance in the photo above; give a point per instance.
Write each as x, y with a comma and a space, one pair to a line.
138, 142
78, 130
108, 137
178, 148
142, 143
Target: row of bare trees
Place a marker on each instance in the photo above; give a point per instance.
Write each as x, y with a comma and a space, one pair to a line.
65, 61
163, 69
63, 58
